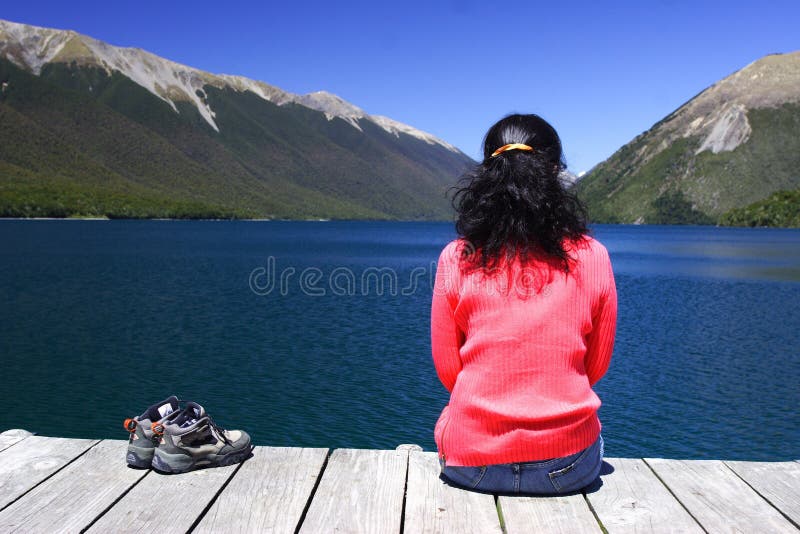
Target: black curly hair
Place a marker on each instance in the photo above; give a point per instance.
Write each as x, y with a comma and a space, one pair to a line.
514, 204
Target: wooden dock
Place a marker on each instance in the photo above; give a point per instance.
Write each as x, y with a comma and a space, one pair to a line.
75, 485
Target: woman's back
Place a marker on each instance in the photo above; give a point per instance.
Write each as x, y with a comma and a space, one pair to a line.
519, 347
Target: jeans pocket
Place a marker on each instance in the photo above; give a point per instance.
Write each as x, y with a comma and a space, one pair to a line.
467, 477
580, 472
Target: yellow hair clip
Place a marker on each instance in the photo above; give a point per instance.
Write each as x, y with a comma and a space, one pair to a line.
512, 146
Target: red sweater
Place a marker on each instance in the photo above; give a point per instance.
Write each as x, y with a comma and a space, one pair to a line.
519, 352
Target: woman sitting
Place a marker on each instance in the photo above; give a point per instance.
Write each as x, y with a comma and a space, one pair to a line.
522, 323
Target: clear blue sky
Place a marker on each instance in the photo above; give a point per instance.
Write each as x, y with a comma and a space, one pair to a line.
600, 72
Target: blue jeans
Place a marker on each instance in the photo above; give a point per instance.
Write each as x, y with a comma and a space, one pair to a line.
547, 477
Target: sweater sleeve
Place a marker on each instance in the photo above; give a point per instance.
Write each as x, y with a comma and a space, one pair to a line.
600, 342
446, 338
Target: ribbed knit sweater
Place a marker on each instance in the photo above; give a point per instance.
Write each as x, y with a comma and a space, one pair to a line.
519, 350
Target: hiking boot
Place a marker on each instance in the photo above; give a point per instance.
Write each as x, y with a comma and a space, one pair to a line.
192, 440
142, 443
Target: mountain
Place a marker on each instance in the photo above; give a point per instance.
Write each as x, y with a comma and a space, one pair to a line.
732, 145
93, 129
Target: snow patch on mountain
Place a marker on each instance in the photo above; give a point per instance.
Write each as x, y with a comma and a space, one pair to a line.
169, 81
730, 129
569, 179
33, 47
332, 106
242, 84
396, 128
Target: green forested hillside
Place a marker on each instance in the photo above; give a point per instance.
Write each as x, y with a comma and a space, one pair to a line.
679, 186
77, 141
779, 209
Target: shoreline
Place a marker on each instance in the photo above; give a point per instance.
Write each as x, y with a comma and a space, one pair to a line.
186, 219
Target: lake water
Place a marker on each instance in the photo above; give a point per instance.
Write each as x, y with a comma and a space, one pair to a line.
316, 333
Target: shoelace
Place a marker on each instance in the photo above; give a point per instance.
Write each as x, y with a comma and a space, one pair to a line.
158, 428
219, 431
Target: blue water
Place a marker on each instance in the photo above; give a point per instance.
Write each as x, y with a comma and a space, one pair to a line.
316, 333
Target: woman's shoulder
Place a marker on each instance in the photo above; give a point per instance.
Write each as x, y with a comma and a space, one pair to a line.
587, 249
453, 250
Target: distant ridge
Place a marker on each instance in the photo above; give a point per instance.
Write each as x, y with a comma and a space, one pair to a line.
206, 144
735, 143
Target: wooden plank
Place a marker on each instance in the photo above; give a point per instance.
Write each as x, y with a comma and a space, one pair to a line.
778, 482
11, 437
433, 506
360, 491
166, 503
632, 499
269, 492
72, 498
718, 499
561, 514
24, 466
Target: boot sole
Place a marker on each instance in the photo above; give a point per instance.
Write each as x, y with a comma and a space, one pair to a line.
140, 457
181, 463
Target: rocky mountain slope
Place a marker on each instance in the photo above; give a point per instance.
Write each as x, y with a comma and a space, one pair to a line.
735, 143
94, 129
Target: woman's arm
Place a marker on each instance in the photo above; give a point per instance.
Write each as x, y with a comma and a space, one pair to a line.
446, 338
600, 341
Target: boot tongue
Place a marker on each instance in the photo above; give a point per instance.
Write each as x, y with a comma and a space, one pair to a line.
191, 414
159, 411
